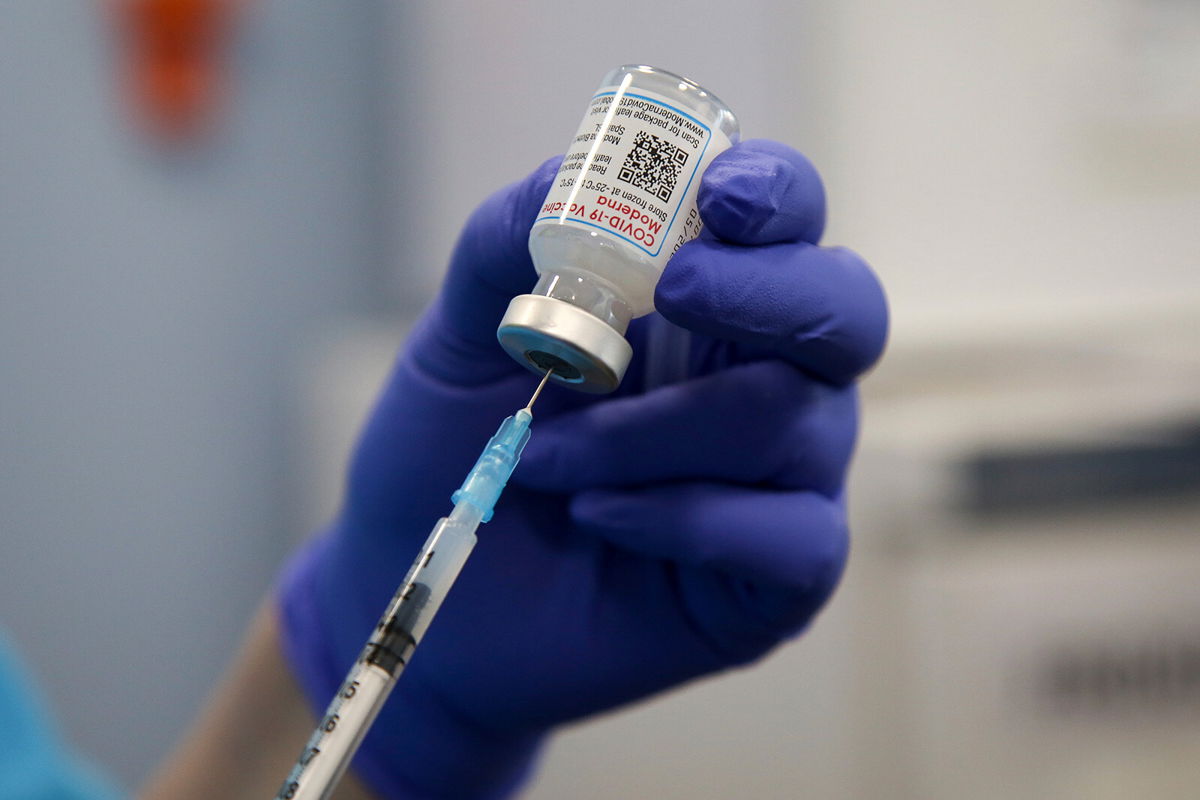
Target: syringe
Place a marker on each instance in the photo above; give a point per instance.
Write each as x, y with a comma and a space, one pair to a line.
327, 754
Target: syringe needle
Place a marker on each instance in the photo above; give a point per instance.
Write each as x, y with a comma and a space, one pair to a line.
536, 392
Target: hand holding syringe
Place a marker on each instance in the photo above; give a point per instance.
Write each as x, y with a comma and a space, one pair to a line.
686, 525
328, 752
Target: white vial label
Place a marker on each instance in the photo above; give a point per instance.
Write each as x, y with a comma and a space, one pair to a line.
633, 171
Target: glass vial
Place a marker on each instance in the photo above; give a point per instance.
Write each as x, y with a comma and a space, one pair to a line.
622, 203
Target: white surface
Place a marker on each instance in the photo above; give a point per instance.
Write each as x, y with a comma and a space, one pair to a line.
1059, 377
976, 160
997, 611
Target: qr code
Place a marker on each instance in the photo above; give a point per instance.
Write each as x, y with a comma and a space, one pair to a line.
653, 165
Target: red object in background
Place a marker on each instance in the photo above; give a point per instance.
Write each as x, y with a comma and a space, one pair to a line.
173, 62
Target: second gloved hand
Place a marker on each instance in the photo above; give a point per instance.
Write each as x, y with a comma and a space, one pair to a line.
647, 538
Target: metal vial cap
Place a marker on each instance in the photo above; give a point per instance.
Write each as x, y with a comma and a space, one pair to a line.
546, 333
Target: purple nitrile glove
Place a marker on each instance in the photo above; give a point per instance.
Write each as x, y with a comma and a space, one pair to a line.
648, 537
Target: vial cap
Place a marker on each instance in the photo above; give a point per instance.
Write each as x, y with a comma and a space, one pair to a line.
545, 333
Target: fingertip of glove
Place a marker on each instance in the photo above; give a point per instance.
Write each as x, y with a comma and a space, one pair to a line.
759, 192
539, 180
495, 237
862, 336
683, 288
717, 289
551, 461
822, 309
536, 461
530, 192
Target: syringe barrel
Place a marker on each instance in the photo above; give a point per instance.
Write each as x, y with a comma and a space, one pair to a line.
349, 716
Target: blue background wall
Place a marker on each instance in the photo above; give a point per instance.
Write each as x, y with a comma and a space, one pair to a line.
152, 308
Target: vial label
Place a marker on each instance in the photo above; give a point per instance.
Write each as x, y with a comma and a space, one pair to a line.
633, 171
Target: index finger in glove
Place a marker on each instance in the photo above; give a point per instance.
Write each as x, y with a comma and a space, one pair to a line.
794, 539
762, 192
761, 424
821, 309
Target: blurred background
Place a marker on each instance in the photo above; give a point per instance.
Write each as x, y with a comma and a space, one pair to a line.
207, 264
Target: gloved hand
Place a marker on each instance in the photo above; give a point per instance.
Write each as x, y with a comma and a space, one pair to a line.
647, 538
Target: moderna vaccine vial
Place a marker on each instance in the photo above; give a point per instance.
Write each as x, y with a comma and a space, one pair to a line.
622, 203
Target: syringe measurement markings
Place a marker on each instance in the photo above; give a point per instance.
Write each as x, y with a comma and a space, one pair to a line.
348, 690
385, 658
328, 752
343, 710
393, 643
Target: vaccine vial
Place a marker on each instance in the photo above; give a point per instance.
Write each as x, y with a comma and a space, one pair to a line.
622, 203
